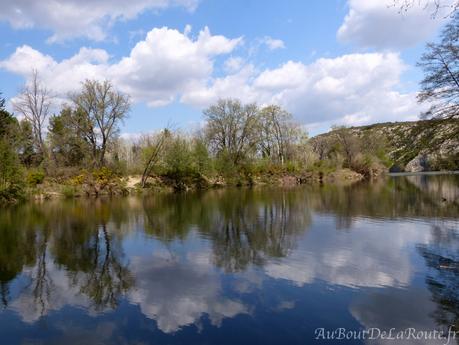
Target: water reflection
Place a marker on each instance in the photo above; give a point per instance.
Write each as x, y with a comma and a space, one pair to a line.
245, 227
442, 259
195, 260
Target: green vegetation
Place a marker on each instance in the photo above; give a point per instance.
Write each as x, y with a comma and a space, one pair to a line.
11, 176
78, 150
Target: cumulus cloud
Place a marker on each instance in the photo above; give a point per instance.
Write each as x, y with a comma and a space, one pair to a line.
169, 65
351, 89
75, 18
166, 63
379, 24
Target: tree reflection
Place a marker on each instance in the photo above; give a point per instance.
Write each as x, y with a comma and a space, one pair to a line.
245, 226
442, 258
76, 247
93, 255
83, 240
17, 249
391, 198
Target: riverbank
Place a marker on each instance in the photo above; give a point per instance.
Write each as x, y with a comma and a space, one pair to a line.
113, 185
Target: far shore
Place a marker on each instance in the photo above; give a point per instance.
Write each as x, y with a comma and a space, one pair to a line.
443, 172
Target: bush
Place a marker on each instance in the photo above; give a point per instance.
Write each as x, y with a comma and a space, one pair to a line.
35, 177
68, 191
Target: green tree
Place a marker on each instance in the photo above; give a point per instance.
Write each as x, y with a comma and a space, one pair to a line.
67, 145
11, 185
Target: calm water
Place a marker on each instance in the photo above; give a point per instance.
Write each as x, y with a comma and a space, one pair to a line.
262, 266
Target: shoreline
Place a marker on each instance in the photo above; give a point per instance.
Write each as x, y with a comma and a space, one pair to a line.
130, 185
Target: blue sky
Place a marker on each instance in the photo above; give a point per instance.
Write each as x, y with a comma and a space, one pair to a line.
327, 62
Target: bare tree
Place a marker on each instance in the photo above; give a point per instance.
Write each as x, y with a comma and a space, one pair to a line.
100, 109
231, 128
321, 145
348, 143
277, 132
34, 103
436, 7
440, 62
154, 147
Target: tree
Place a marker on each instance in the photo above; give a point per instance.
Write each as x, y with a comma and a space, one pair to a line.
99, 109
277, 133
26, 147
348, 143
321, 145
152, 153
232, 128
446, 8
10, 172
67, 145
440, 63
34, 104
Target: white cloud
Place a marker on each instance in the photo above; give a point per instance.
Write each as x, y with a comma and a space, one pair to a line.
379, 24
166, 63
75, 18
273, 44
351, 89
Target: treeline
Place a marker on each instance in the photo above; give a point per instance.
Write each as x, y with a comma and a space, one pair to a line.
81, 145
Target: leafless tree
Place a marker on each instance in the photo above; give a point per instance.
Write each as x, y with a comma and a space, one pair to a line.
436, 7
34, 103
348, 143
231, 128
278, 132
153, 150
321, 145
100, 109
440, 62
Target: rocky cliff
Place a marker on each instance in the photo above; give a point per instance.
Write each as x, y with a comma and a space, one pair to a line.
426, 145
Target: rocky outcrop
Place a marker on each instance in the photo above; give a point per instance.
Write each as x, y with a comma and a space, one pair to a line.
418, 145
418, 164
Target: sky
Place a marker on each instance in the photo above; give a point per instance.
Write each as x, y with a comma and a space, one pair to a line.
332, 62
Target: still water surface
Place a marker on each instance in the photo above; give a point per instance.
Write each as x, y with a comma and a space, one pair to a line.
260, 266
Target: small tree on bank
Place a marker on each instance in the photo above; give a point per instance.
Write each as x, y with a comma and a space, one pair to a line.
99, 109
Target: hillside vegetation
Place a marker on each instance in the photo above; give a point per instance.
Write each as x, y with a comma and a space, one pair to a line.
426, 145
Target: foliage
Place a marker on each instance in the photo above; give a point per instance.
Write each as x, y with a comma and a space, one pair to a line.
11, 177
35, 177
67, 145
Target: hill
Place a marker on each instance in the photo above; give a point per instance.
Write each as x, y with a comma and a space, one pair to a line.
426, 145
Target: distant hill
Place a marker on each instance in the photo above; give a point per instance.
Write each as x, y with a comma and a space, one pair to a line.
419, 145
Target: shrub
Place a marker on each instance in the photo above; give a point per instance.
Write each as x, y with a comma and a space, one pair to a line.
68, 191
35, 177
